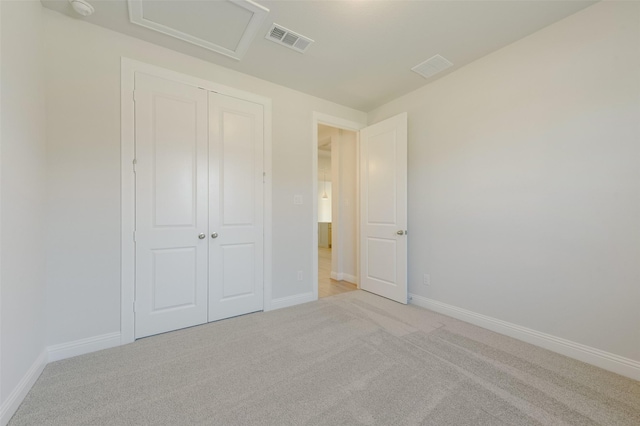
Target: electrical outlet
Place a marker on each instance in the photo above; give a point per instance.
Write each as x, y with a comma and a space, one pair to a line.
297, 200
299, 275
426, 280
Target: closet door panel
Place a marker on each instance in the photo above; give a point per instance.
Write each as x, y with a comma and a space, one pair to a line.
171, 205
236, 206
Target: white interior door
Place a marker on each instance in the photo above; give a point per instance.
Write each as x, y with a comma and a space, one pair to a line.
383, 208
236, 143
171, 205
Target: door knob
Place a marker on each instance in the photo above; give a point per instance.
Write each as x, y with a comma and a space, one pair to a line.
201, 236
400, 232
214, 235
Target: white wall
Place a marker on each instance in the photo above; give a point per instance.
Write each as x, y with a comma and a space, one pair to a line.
22, 193
524, 181
83, 131
344, 157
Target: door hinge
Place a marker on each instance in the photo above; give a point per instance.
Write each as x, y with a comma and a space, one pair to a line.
134, 165
134, 306
264, 177
135, 95
134, 236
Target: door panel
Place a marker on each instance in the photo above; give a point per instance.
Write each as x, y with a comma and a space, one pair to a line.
235, 207
238, 153
171, 205
173, 281
381, 263
383, 213
174, 162
237, 278
381, 174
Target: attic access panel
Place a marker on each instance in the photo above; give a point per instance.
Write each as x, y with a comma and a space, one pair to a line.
224, 26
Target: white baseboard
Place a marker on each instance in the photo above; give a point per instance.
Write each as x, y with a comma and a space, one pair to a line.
606, 360
15, 398
350, 278
285, 302
83, 346
341, 276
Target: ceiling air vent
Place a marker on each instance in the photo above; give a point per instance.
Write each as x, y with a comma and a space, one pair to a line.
281, 35
432, 66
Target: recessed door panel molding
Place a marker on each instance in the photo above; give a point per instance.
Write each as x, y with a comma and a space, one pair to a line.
236, 145
239, 174
382, 260
237, 270
382, 178
174, 283
383, 212
174, 157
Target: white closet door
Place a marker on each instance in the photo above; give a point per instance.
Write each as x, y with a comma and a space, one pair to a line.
235, 207
383, 208
171, 205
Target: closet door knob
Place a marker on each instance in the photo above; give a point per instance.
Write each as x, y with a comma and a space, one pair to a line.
214, 235
201, 236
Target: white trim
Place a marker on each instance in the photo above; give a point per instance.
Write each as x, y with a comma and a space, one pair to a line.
340, 123
285, 302
127, 200
134, 65
136, 16
15, 398
606, 360
358, 208
341, 276
337, 224
350, 278
1, 394
83, 346
268, 206
128, 69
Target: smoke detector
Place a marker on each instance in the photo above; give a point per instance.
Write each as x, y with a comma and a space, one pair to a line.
432, 66
286, 37
82, 7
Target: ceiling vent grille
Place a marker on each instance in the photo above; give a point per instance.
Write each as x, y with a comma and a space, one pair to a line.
432, 66
281, 35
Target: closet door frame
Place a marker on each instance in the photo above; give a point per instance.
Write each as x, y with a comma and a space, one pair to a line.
129, 68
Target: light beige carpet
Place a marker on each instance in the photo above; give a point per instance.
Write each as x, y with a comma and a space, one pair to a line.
350, 359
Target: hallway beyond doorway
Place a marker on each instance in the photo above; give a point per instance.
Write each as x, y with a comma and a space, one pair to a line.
326, 285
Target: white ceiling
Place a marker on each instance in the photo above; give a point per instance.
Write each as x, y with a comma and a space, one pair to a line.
364, 50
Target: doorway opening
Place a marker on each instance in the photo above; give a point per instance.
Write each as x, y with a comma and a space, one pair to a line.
337, 201
378, 203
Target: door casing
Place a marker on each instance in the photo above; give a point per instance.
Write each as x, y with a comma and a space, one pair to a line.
129, 68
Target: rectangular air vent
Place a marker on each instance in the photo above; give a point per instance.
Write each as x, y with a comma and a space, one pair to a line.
286, 37
432, 66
